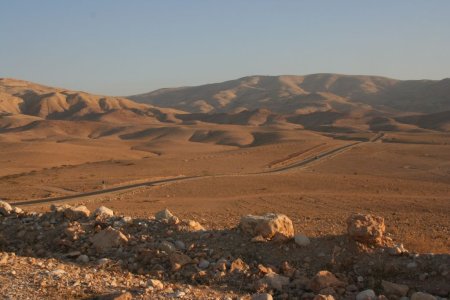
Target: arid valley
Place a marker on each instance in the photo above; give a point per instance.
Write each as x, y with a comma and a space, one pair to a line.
317, 149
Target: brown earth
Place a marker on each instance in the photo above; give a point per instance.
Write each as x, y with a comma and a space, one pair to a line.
404, 176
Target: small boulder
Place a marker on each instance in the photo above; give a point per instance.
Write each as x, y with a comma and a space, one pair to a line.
367, 229
203, 264
17, 210
4, 258
167, 247
103, 212
178, 260
83, 259
107, 239
323, 297
190, 226
422, 296
157, 284
302, 240
394, 289
324, 279
397, 249
5, 208
275, 281
238, 266
269, 226
76, 213
116, 296
366, 295
167, 217
262, 296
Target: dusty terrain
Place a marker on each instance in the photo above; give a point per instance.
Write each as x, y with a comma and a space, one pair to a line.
138, 159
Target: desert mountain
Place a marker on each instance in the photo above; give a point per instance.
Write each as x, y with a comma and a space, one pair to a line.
321, 102
307, 94
19, 97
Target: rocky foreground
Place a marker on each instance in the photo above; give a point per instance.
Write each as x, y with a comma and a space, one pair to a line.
72, 253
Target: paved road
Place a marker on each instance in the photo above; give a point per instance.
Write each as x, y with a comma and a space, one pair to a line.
300, 164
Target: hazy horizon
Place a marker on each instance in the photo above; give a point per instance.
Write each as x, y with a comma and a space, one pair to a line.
117, 48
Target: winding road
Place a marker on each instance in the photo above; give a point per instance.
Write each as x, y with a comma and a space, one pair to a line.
299, 164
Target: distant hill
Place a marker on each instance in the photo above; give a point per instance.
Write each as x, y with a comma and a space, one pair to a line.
321, 102
18, 97
307, 94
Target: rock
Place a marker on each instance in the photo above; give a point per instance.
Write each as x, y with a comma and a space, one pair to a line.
258, 239
302, 240
103, 261
103, 212
116, 296
324, 279
157, 284
76, 213
422, 296
108, 238
167, 217
179, 294
167, 247
83, 259
203, 264
178, 260
238, 266
397, 250
17, 210
275, 281
394, 289
58, 273
180, 245
411, 265
5, 208
269, 226
367, 229
262, 296
4, 259
323, 297
190, 226
366, 295
73, 254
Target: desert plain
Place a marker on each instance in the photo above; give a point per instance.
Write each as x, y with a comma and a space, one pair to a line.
214, 162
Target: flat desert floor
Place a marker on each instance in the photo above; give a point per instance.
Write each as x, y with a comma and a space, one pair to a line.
317, 180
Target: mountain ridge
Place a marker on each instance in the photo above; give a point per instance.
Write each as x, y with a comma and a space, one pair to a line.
286, 92
320, 102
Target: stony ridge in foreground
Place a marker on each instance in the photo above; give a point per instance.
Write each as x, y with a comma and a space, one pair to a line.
84, 254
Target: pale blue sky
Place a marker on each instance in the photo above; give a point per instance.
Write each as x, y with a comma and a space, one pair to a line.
128, 47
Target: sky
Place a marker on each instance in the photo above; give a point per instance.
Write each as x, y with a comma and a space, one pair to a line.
123, 47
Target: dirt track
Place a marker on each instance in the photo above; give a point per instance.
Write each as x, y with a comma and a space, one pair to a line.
300, 164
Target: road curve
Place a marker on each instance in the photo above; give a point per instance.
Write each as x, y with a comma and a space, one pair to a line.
300, 164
